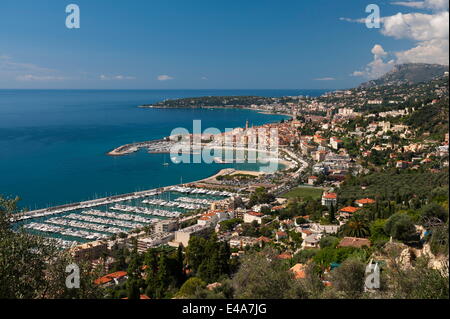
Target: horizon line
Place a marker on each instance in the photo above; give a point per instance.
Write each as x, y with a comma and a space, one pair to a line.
181, 89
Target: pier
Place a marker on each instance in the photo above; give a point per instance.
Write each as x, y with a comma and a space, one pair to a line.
85, 204
154, 146
86, 223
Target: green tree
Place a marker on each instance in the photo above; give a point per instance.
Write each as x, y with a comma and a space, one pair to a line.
303, 256
190, 287
262, 276
33, 267
133, 290
439, 239
332, 214
433, 210
377, 232
195, 252
401, 227
417, 282
356, 226
349, 277
329, 241
208, 258
260, 196
180, 264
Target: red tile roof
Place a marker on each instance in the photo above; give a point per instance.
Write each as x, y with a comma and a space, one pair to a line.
140, 297
110, 277
299, 271
330, 195
349, 209
284, 256
255, 214
364, 201
211, 214
264, 239
354, 242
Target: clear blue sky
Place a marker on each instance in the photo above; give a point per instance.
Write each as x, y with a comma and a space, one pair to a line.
221, 44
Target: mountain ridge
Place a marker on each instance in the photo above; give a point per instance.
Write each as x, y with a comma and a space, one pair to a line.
408, 73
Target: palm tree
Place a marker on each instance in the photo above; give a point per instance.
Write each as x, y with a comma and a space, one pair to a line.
357, 226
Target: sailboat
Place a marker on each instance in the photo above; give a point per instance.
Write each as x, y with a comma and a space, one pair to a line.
165, 163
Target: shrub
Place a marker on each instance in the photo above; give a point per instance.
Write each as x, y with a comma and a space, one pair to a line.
349, 277
190, 287
400, 227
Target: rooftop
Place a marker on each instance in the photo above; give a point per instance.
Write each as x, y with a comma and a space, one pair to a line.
299, 271
255, 214
264, 239
354, 242
110, 277
284, 256
330, 195
364, 201
349, 209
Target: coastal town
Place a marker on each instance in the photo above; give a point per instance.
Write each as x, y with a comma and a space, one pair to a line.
362, 173
224, 159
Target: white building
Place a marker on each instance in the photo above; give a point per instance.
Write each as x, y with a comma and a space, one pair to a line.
182, 236
166, 226
252, 216
329, 199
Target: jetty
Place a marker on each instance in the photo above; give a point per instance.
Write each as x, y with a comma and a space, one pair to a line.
154, 146
85, 204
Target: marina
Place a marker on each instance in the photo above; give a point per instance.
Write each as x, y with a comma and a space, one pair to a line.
191, 190
186, 205
70, 232
84, 225
83, 205
106, 221
104, 217
121, 216
147, 211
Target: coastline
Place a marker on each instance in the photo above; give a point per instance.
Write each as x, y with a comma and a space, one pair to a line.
261, 111
134, 147
117, 198
116, 152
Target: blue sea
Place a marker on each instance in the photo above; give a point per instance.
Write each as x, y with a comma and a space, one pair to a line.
53, 143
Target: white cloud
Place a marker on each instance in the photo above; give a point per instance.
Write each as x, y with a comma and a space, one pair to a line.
378, 52
433, 51
357, 73
11, 70
378, 66
164, 77
411, 4
436, 4
7, 64
428, 31
362, 20
426, 4
204, 78
416, 26
116, 77
31, 77
325, 79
